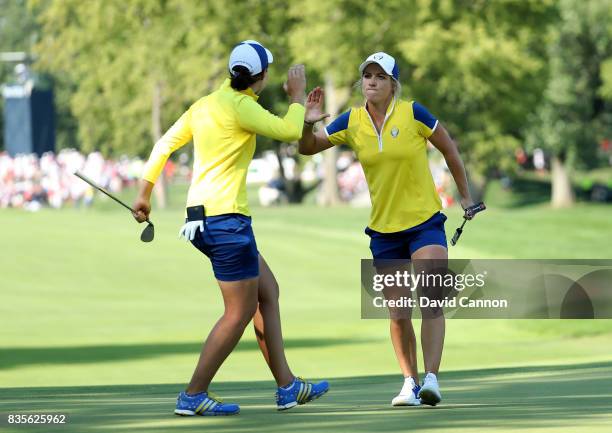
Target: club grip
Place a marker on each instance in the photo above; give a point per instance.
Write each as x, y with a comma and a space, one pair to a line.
473, 210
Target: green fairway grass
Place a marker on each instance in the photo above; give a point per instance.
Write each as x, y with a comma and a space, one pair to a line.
100, 325
546, 398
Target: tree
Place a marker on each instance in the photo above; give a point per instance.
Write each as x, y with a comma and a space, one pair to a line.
574, 115
128, 70
478, 66
129, 60
332, 38
136, 66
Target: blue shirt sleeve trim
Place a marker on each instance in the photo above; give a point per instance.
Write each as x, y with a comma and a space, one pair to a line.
424, 116
340, 124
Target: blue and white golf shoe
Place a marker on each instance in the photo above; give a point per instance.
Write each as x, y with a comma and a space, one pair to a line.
299, 392
204, 404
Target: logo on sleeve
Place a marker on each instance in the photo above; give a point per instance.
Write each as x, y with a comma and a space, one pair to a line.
394, 132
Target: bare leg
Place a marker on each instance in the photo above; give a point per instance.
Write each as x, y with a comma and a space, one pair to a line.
240, 299
400, 326
432, 329
268, 326
404, 344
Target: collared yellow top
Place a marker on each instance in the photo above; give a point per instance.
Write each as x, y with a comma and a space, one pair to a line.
394, 162
223, 126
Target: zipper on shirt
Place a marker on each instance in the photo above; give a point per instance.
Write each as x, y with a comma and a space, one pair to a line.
382, 127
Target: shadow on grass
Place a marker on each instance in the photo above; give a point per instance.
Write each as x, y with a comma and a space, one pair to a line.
564, 398
11, 357
530, 191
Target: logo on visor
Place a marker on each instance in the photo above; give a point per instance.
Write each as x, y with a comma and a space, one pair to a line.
394, 132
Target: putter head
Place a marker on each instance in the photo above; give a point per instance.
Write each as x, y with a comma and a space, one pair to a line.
148, 233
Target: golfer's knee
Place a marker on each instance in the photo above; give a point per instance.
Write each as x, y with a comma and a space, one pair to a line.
238, 321
401, 322
432, 317
240, 316
432, 314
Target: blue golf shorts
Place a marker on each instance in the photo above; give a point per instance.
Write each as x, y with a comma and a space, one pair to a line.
401, 245
228, 241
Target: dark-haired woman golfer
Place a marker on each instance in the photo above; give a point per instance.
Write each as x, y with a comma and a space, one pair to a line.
223, 126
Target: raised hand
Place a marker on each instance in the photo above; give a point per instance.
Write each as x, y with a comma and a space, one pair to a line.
314, 106
296, 83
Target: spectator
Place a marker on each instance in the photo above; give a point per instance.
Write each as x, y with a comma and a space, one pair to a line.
31, 183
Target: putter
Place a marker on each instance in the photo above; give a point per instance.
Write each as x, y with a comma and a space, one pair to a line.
472, 210
147, 234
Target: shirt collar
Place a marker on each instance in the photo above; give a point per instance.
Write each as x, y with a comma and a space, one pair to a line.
248, 91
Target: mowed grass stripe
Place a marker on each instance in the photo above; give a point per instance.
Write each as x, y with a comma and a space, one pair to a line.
525, 398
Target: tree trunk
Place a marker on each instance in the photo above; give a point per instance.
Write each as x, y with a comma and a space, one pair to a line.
562, 192
477, 185
294, 188
160, 189
334, 100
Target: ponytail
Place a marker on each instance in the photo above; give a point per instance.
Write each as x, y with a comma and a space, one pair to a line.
242, 79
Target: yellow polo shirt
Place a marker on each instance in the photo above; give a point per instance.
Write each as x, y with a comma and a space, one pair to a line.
223, 126
395, 163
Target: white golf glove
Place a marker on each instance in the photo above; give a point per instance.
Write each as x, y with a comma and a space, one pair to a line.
190, 228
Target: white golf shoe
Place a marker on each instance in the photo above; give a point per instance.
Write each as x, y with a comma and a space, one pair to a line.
408, 396
430, 391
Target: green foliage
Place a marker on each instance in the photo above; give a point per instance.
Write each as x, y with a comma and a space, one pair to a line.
478, 67
15, 37
109, 54
573, 116
496, 73
606, 78
116, 53
334, 37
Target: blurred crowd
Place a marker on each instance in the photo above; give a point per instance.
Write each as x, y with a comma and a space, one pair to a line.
30, 182
352, 184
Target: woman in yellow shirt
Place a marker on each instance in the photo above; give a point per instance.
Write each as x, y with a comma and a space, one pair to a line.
223, 126
389, 137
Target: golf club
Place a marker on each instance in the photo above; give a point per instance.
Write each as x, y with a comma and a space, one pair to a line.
147, 234
472, 210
